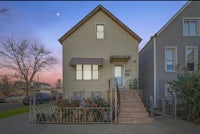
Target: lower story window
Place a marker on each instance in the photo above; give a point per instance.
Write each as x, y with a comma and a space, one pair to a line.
167, 89
95, 95
87, 72
78, 95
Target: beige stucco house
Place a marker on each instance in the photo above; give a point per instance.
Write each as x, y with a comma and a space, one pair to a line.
100, 47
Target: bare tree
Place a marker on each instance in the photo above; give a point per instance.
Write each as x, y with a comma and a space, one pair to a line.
6, 85
58, 83
25, 58
3, 11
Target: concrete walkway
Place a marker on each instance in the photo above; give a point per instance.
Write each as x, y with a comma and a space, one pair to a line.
19, 125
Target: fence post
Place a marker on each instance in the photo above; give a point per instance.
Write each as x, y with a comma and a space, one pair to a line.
151, 105
175, 105
111, 107
115, 102
163, 106
30, 111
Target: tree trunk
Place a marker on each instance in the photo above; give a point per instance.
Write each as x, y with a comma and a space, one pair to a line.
27, 88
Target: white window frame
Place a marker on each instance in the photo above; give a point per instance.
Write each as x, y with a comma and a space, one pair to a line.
92, 72
192, 19
100, 31
175, 58
195, 56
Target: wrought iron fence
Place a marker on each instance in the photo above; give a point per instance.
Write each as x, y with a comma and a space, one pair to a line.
53, 113
162, 106
49, 113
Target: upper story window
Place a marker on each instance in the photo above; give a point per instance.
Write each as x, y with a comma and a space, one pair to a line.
100, 31
170, 58
87, 72
191, 27
191, 58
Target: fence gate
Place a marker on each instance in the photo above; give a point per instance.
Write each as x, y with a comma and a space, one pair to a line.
163, 106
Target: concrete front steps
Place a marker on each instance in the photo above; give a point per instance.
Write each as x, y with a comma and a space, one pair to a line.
132, 109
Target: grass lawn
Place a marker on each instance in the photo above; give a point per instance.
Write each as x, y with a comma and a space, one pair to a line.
14, 112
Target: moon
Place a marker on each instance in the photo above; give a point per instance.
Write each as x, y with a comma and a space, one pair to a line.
57, 14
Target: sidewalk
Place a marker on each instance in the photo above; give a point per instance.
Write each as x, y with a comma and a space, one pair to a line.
20, 124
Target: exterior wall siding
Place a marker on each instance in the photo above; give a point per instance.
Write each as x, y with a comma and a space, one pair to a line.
83, 44
173, 36
146, 71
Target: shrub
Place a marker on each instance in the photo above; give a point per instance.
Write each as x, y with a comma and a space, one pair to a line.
187, 87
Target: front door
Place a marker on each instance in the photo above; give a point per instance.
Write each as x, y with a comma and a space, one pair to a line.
119, 76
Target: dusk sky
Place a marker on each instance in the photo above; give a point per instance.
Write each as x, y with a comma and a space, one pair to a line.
45, 22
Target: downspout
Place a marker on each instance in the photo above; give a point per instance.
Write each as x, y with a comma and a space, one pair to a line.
154, 71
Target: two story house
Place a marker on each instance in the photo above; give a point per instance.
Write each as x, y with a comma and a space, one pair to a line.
100, 47
174, 47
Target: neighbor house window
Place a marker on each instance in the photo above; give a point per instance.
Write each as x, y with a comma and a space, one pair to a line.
78, 95
167, 89
170, 58
191, 57
191, 27
100, 31
87, 72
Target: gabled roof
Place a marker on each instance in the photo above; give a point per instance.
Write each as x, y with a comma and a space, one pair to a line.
173, 18
168, 23
91, 14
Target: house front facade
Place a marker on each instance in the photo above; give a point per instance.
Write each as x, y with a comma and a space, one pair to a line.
174, 48
100, 47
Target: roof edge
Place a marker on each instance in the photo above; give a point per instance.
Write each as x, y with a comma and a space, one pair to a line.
168, 23
172, 19
81, 22
91, 14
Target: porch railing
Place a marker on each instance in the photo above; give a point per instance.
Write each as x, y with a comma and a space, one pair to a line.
114, 98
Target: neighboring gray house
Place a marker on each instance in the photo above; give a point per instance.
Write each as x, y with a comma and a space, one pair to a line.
175, 45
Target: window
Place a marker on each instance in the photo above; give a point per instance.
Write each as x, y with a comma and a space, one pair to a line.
78, 95
95, 71
79, 72
191, 27
118, 71
100, 31
168, 91
170, 58
95, 95
87, 72
191, 58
